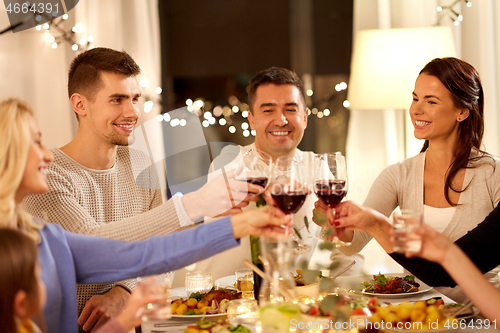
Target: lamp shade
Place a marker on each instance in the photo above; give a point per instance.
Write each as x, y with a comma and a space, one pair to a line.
386, 62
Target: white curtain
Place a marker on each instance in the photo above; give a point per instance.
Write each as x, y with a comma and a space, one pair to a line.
34, 71
375, 136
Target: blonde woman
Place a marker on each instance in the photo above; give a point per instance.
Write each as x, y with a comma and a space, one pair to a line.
66, 258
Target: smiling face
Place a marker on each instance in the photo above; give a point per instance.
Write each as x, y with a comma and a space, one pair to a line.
35, 174
112, 115
433, 113
279, 118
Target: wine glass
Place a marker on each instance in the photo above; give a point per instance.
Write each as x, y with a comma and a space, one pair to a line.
330, 184
289, 190
254, 167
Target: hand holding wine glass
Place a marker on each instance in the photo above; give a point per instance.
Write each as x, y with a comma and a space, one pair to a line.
289, 190
331, 185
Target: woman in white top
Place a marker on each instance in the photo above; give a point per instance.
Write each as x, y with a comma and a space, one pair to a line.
451, 180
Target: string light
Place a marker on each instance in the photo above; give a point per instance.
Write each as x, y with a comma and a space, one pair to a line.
158, 90
346, 103
148, 106
166, 117
183, 122
159, 117
226, 112
453, 15
309, 92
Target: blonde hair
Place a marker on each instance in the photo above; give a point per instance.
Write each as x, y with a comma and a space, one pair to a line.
14, 146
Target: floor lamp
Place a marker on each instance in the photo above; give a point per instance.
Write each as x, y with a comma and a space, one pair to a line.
386, 62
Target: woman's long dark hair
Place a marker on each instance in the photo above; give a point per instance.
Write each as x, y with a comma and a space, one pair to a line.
464, 84
18, 257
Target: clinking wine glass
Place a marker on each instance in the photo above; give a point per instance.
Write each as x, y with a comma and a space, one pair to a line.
330, 184
254, 167
289, 190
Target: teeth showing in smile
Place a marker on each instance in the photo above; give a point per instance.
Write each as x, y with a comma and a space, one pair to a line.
43, 171
279, 133
129, 126
421, 123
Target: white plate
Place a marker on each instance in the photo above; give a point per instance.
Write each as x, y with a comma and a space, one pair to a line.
353, 283
226, 282
188, 317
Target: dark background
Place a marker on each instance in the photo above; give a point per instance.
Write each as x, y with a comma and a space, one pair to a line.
212, 48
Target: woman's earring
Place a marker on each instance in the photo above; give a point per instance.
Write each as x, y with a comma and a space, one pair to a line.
459, 119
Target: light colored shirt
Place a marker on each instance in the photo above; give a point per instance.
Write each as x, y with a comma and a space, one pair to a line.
122, 202
438, 218
402, 184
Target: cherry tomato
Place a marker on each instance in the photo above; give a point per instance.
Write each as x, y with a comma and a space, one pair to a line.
372, 304
314, 311
361, 312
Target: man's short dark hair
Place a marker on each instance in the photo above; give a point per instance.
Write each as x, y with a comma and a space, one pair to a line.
85, 70
273, 75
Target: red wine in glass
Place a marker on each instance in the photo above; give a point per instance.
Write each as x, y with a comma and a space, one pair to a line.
261, 181
331, 192
290, 202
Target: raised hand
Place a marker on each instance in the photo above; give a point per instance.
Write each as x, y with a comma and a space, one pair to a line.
221, 196
265, 221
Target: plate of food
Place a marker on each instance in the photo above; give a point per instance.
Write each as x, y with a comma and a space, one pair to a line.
219, 326
307, 289
387, 285
198, 305
406, 317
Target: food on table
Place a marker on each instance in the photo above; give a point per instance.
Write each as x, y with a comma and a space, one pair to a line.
414, 316
220, 326
450, 309
213, 302
299, 278
391, 285
352, 305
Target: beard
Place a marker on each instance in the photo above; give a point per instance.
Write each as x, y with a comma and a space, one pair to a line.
119, 140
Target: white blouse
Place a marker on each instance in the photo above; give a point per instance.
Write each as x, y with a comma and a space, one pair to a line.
438, 218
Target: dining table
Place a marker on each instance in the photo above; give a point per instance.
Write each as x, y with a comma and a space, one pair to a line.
474, 323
